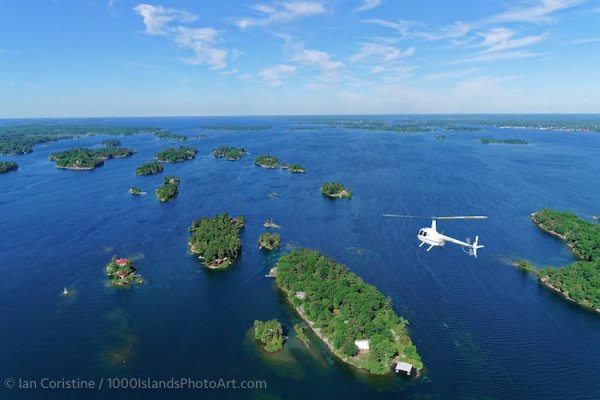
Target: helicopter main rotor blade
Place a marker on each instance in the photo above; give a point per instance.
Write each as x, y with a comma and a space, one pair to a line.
463, 217
443, 217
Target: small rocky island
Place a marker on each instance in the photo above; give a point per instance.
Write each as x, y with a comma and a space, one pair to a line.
179, 154
579, 281
111, 143
358, 323
81, 159
7, 166
149, 168
269, 241
216, 241
269, 334
268, 161
504, 141
169, 190
335, 190
136, 191
229, 153
122, 272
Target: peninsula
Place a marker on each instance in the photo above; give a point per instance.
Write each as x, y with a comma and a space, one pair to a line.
580, 280
7, 166
169, 190
354, 319
149, 168
121, 271
216, 240
20, 139
173, 155
270, 334
229, 153
88, 159
269, 241
335, 190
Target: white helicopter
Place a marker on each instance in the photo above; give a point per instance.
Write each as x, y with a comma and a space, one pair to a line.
433, 238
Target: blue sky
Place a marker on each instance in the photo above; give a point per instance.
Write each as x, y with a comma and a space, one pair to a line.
76, 58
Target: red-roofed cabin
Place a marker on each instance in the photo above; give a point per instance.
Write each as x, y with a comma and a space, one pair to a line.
121, 262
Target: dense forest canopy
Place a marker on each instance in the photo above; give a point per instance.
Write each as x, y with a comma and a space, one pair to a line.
149, 168
172, 154
83, 158
270, 334
579, 280
216, 238
346, 309
20, 139
267, 161
169, 190
230, 153
6, 166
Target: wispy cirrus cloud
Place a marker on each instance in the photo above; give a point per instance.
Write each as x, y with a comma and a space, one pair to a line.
482, 86
369, 5
536, 12
380, 53
274, 75
502, 39
582, 41
505, 55
203, 42
281, 12
157, 17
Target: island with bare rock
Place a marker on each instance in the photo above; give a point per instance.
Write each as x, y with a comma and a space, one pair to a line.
174, 155
229, 153
335, 190
169, 190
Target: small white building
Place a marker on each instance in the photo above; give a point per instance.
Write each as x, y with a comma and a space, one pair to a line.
300, 295
404, 367
363, 345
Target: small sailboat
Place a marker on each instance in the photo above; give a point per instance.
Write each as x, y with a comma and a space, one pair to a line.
65, 292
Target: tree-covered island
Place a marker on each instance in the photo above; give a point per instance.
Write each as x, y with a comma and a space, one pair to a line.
149, 168
229, 153
169, 190
7, 166
270, 334
165, 134
216, 241
173, 155
335, 190
269, 241
268, 161
111, 143
504, 141
122, 272
345, 312
580, 280
86, 159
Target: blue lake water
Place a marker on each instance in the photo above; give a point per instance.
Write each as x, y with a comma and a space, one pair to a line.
485, 330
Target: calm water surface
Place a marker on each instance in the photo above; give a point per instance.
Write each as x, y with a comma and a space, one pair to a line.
484, 329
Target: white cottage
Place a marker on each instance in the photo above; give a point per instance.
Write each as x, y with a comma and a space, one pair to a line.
363, 345
404, 367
